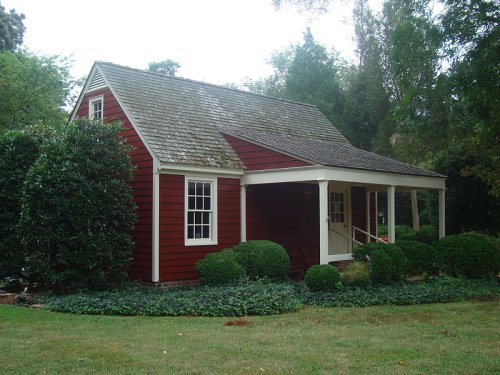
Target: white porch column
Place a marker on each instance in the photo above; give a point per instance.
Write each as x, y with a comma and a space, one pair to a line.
323, 221
368, 224
391, 213
442, 205
243, 213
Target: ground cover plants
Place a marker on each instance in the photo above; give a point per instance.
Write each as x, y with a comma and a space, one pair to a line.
262, 297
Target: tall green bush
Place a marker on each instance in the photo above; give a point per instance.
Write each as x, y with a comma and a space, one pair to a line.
18, 151
77, 208
421, 257
219, 268
263, 258
468, 254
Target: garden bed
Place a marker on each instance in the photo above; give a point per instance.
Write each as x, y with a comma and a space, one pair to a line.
262, 298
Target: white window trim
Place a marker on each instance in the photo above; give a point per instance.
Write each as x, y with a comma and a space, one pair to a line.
214, 229
92, 100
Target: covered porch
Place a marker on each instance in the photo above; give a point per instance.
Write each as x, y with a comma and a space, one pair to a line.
319, 213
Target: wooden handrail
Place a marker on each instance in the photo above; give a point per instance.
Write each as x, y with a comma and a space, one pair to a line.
346, 236
368, 234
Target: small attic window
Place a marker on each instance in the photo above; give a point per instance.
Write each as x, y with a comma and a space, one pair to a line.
96, 108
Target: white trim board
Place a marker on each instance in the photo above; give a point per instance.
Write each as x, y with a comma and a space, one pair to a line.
315, 173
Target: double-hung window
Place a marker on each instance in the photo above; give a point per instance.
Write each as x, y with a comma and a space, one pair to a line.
96, 108
201, 211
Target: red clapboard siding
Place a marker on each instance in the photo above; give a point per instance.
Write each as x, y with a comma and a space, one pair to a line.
288, 214
257, 157
177, 262
142, 183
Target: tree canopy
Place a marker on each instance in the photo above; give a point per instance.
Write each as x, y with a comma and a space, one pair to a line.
166, 67
33, 89
11, 29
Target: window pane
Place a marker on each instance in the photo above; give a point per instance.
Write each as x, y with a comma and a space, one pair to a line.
191, 188
190, 217
197, 218
206, 203
206, 231
197, 231
191, 203
199, 188
206, 189
190, 231
199, 203
206, 217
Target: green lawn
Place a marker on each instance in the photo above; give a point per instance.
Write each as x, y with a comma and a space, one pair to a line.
458, 338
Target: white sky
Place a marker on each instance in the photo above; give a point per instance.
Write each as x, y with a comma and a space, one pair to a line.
217, 41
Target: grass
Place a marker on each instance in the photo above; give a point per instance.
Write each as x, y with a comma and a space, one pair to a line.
458, 338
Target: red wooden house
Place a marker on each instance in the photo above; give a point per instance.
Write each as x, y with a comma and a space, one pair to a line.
216, 166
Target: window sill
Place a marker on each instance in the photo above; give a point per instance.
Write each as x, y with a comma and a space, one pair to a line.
203, 242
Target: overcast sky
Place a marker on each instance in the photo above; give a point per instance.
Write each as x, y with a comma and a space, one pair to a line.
217, 41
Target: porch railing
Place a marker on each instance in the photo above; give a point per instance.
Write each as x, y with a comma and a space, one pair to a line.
356, 229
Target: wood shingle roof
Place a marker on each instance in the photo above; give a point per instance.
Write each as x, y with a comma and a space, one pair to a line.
183, 122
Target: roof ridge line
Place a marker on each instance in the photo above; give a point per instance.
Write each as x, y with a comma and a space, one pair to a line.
189, 80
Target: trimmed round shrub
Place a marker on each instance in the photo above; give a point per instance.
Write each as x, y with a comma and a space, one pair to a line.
421, 257
322, 278
219, 268
380, 267
468, 254
427, 234
263, 258
404, 231
356, 274
78, 209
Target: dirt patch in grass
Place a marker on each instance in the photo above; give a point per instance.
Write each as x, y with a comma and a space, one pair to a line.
8, 298
241, 322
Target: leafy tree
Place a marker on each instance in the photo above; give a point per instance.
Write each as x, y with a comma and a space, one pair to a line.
312, 78
18, 151
33, 90
77, 208
412, 43
274, 85
472, 33
166, 67
365, 118
11, 29
307, 73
